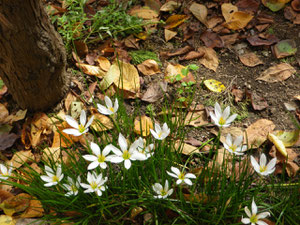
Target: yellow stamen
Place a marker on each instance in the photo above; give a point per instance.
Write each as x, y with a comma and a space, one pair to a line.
93, 185
262, 169
181, 176
160, 134
74, 188
126, 155
222, 121
253, 219
111, 109
81, 128
101, 158
55, 179
233, 147
163, 192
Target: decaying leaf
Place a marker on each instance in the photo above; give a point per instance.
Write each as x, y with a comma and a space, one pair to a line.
3, 113
192, 55
7, 140
279, 72
274, 5
18, 203
267, 40
41, 125
278, 144
142, 125
91, 70
200, 12
257, 102
51, 154
149, 67
172, 71
69, 99
103, 63
288, 138
214, 85
144, 13
170, 6
233, 131
101, 123
284, 48
81, 48
35, 209
257, 133
212, 39
186, 149
21, 157
169, 34
196, 119
175, 20
7, 220
135, 211
155, 92
210, 59
250, 59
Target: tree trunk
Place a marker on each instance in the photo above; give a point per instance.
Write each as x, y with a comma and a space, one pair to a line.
32, 55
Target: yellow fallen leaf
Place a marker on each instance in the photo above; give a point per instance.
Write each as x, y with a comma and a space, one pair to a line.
7, 220
142, 125
20, 158
289, 138
170, 6
278, 144
104, 63
51, 154
214, 85
175, 20
185, 149
91, 70
101, 123
144, 13
227, 11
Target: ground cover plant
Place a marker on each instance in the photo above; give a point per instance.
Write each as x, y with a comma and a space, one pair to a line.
151, 131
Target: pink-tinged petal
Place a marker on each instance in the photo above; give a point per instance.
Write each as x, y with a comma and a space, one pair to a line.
108, 102
127, 163
190, 175
115, 159
263, 160
246, 220
116, 106
122, 142
106, 150
82, 117
226, 113
231, 119
90, 158
172, 174
95, 148
263, 215
103, 110
89, 122
46, 179
188, 181
103, 165
260, 222
247, 211
254, 207
71, 121
72, 132
271, 164
138, 156
93, 165
254, 164
175, 170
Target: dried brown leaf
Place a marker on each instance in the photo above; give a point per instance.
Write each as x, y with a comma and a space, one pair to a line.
149, 67
142, 125
279, 72
250, 59
210, 59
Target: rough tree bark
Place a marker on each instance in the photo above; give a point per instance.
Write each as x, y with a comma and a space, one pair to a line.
32, 55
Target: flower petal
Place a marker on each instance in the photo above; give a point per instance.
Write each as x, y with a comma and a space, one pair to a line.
95, 148
254, 207
172, 174
263, 160
93, 165
188, 181
247, 211
71, 131
90, 158
127, 163
245, 220
175, 170
108, 102
190, 175
89, 122
83, 117
71, 121
122, 142
103, 110
254, 164
263, 215
115, 159
271, 164
231, 119
106, 150
226, 113
116, 107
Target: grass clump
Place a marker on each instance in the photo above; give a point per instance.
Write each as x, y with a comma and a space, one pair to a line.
139, 56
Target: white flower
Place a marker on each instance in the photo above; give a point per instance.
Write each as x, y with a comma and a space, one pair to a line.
262, 168
235, 146
109, 109
163, 192
222, 119
254, 218
72, 186
147, 151
95, 183
126, 154
52, 177
181, 176
159, 133
78, 129
4, 172
99, 158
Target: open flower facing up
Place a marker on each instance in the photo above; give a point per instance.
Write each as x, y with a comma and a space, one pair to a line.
254, 218
146, 150
99, 158
5, 172
159, 133
162, 192
52, 177
236, 147
78, 129
262, 168
109, 109
182, 177
95, 183
222, 119
72, 186
125, 154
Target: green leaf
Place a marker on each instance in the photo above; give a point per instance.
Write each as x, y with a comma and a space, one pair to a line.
193, 67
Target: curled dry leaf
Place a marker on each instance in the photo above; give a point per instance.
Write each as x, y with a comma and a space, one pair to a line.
103, 63
257, 133
135, 211
200, 12
81, 48
131, 42
192, 55
250, 6
288, 138
175, 20
256, 40
274, 5
173, 70
149, 67
278, 144
91, 70
69, 99
277, 73
169, 34
250, 59
142, 125
101, 123
155, 92
238, 94
3, 113
284, 48
258, 102
35, 209
170, 6
211, 39
210, 59
20, 158
143, 12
